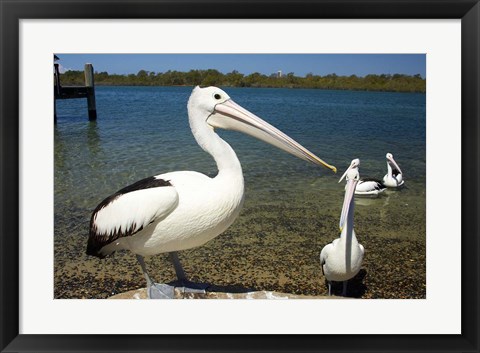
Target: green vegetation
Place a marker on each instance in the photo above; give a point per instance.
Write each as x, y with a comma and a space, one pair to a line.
395, 83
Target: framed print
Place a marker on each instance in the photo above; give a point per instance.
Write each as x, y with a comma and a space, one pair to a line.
394, 84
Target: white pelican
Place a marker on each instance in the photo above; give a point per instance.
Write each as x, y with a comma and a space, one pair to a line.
181, 210
342, 258
394, 177
367, 187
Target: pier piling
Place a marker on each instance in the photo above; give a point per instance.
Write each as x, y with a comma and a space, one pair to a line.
90, 85
68, 92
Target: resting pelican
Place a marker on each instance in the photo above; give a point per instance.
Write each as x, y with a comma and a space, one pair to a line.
394, 177
181, 210
367, 187
342, 258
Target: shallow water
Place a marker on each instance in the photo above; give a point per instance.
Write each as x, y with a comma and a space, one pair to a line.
291, 209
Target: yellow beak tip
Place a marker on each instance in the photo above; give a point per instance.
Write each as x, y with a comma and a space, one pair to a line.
334, 169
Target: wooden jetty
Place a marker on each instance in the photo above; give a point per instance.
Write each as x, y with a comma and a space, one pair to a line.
69, 92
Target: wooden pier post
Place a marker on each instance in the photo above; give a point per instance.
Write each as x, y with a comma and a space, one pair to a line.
90, 85
69, 92
56, 92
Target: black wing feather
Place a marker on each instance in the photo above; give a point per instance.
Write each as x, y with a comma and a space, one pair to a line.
96, 240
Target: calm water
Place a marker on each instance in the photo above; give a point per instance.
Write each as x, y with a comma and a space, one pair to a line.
143, 131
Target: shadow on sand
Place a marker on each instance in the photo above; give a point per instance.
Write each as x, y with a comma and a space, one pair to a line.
356, 287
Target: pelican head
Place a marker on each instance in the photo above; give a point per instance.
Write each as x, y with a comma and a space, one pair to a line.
392, 162
219, 111
353, 176
351, 169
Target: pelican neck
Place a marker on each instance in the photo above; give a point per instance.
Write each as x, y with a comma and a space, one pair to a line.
389, 170
349, 221
223, 154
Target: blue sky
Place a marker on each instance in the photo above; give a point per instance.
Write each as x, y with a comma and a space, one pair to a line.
300, 64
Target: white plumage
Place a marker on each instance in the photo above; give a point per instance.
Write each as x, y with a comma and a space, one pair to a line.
342, 259
136, 210
394, 176
181, 210
369, 187
374, 187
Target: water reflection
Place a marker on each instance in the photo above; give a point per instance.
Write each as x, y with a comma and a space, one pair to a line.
93, 138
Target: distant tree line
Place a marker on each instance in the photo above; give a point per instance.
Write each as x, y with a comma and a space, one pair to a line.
211, 77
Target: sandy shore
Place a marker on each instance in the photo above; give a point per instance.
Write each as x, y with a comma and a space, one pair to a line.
271, 247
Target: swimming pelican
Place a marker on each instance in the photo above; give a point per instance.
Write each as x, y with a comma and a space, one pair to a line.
367, 187
181, 210
394, 177
342, 258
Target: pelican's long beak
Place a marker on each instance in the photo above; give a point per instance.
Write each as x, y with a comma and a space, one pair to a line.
392, 161
230, 116
354, 163
345, 174
348, 200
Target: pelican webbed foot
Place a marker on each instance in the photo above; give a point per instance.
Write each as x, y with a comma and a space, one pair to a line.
183, 284
155, 290
160, 291
186, 286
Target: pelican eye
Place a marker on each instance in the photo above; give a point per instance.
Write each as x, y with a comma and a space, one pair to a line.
217, 96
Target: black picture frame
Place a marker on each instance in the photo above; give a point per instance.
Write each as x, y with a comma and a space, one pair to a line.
13, 11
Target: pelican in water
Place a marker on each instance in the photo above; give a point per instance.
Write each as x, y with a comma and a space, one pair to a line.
341, 259
185, 209
394, 176
367, 187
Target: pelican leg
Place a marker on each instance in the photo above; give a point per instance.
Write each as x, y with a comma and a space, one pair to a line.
329, 288
344, 291
185, 285
178, 266
155, 290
